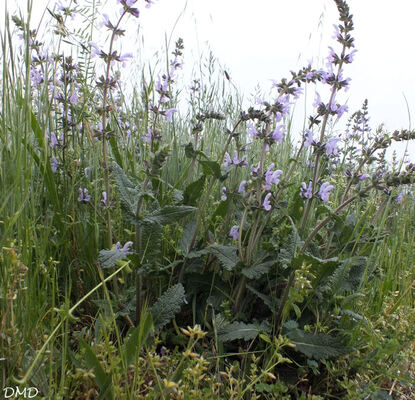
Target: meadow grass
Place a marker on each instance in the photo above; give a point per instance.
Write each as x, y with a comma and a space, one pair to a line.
135, 263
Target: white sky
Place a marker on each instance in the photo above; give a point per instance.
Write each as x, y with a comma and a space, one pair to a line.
263, 40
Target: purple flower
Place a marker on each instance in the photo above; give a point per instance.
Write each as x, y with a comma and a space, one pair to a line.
84, 195
324, 191
228, 160
169, 114
251, 131
278, 133
336, 32
255, 170
53, 140
124, 58
54, 164
317, 100
241, 188
271, 177
95, 51
332, 146
86, 172
350, 56
36, 77
148, 136
223, 197
341, 110
364, 177
149, 3
266, 204
105, 21
234, 232
125, 248
104, 199
308, 138
399, 197
74, 97
297, 92
162, 85
331, 57
306, 191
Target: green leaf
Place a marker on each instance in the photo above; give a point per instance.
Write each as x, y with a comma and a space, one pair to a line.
187, 237
103, 380
109, 258
211, 168
289, 249
115, 151
226, 255
166, 307
193, 191
257, 271
128, 192
166, 215
138, 337
320, 346
348, 275
241, 330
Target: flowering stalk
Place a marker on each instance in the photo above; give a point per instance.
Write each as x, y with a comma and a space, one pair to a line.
104, 123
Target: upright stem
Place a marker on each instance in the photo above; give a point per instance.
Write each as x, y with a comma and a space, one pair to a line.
104, 137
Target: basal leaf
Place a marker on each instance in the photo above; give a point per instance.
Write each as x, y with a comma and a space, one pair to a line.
319, 346
167, 306
241, 330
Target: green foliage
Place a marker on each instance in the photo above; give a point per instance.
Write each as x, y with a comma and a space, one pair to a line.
319, 346
102, 379
241, 330
167, 306
109, 258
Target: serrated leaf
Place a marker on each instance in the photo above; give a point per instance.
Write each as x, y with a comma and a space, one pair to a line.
320, 346
193, 191
187, 237
257, 271
109, 258
167, 306
241, 330
128, 193
166, 215
227, 255
211, 168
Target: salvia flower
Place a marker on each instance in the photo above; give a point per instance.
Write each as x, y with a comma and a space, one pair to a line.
54, 164
308, 138
364, 177
53, 141
84, 195
252, 131
241, 188
169, 114
125, 248
266, 204
306, 191
278, 133
324, 191
95, 50
332, 146
234, 232
399, 197
271, 177
223, 196
228, 160
104, 199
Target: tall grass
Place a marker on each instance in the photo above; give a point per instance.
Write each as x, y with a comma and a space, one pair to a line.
181, 281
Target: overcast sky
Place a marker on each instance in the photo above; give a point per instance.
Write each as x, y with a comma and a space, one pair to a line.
264, 40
